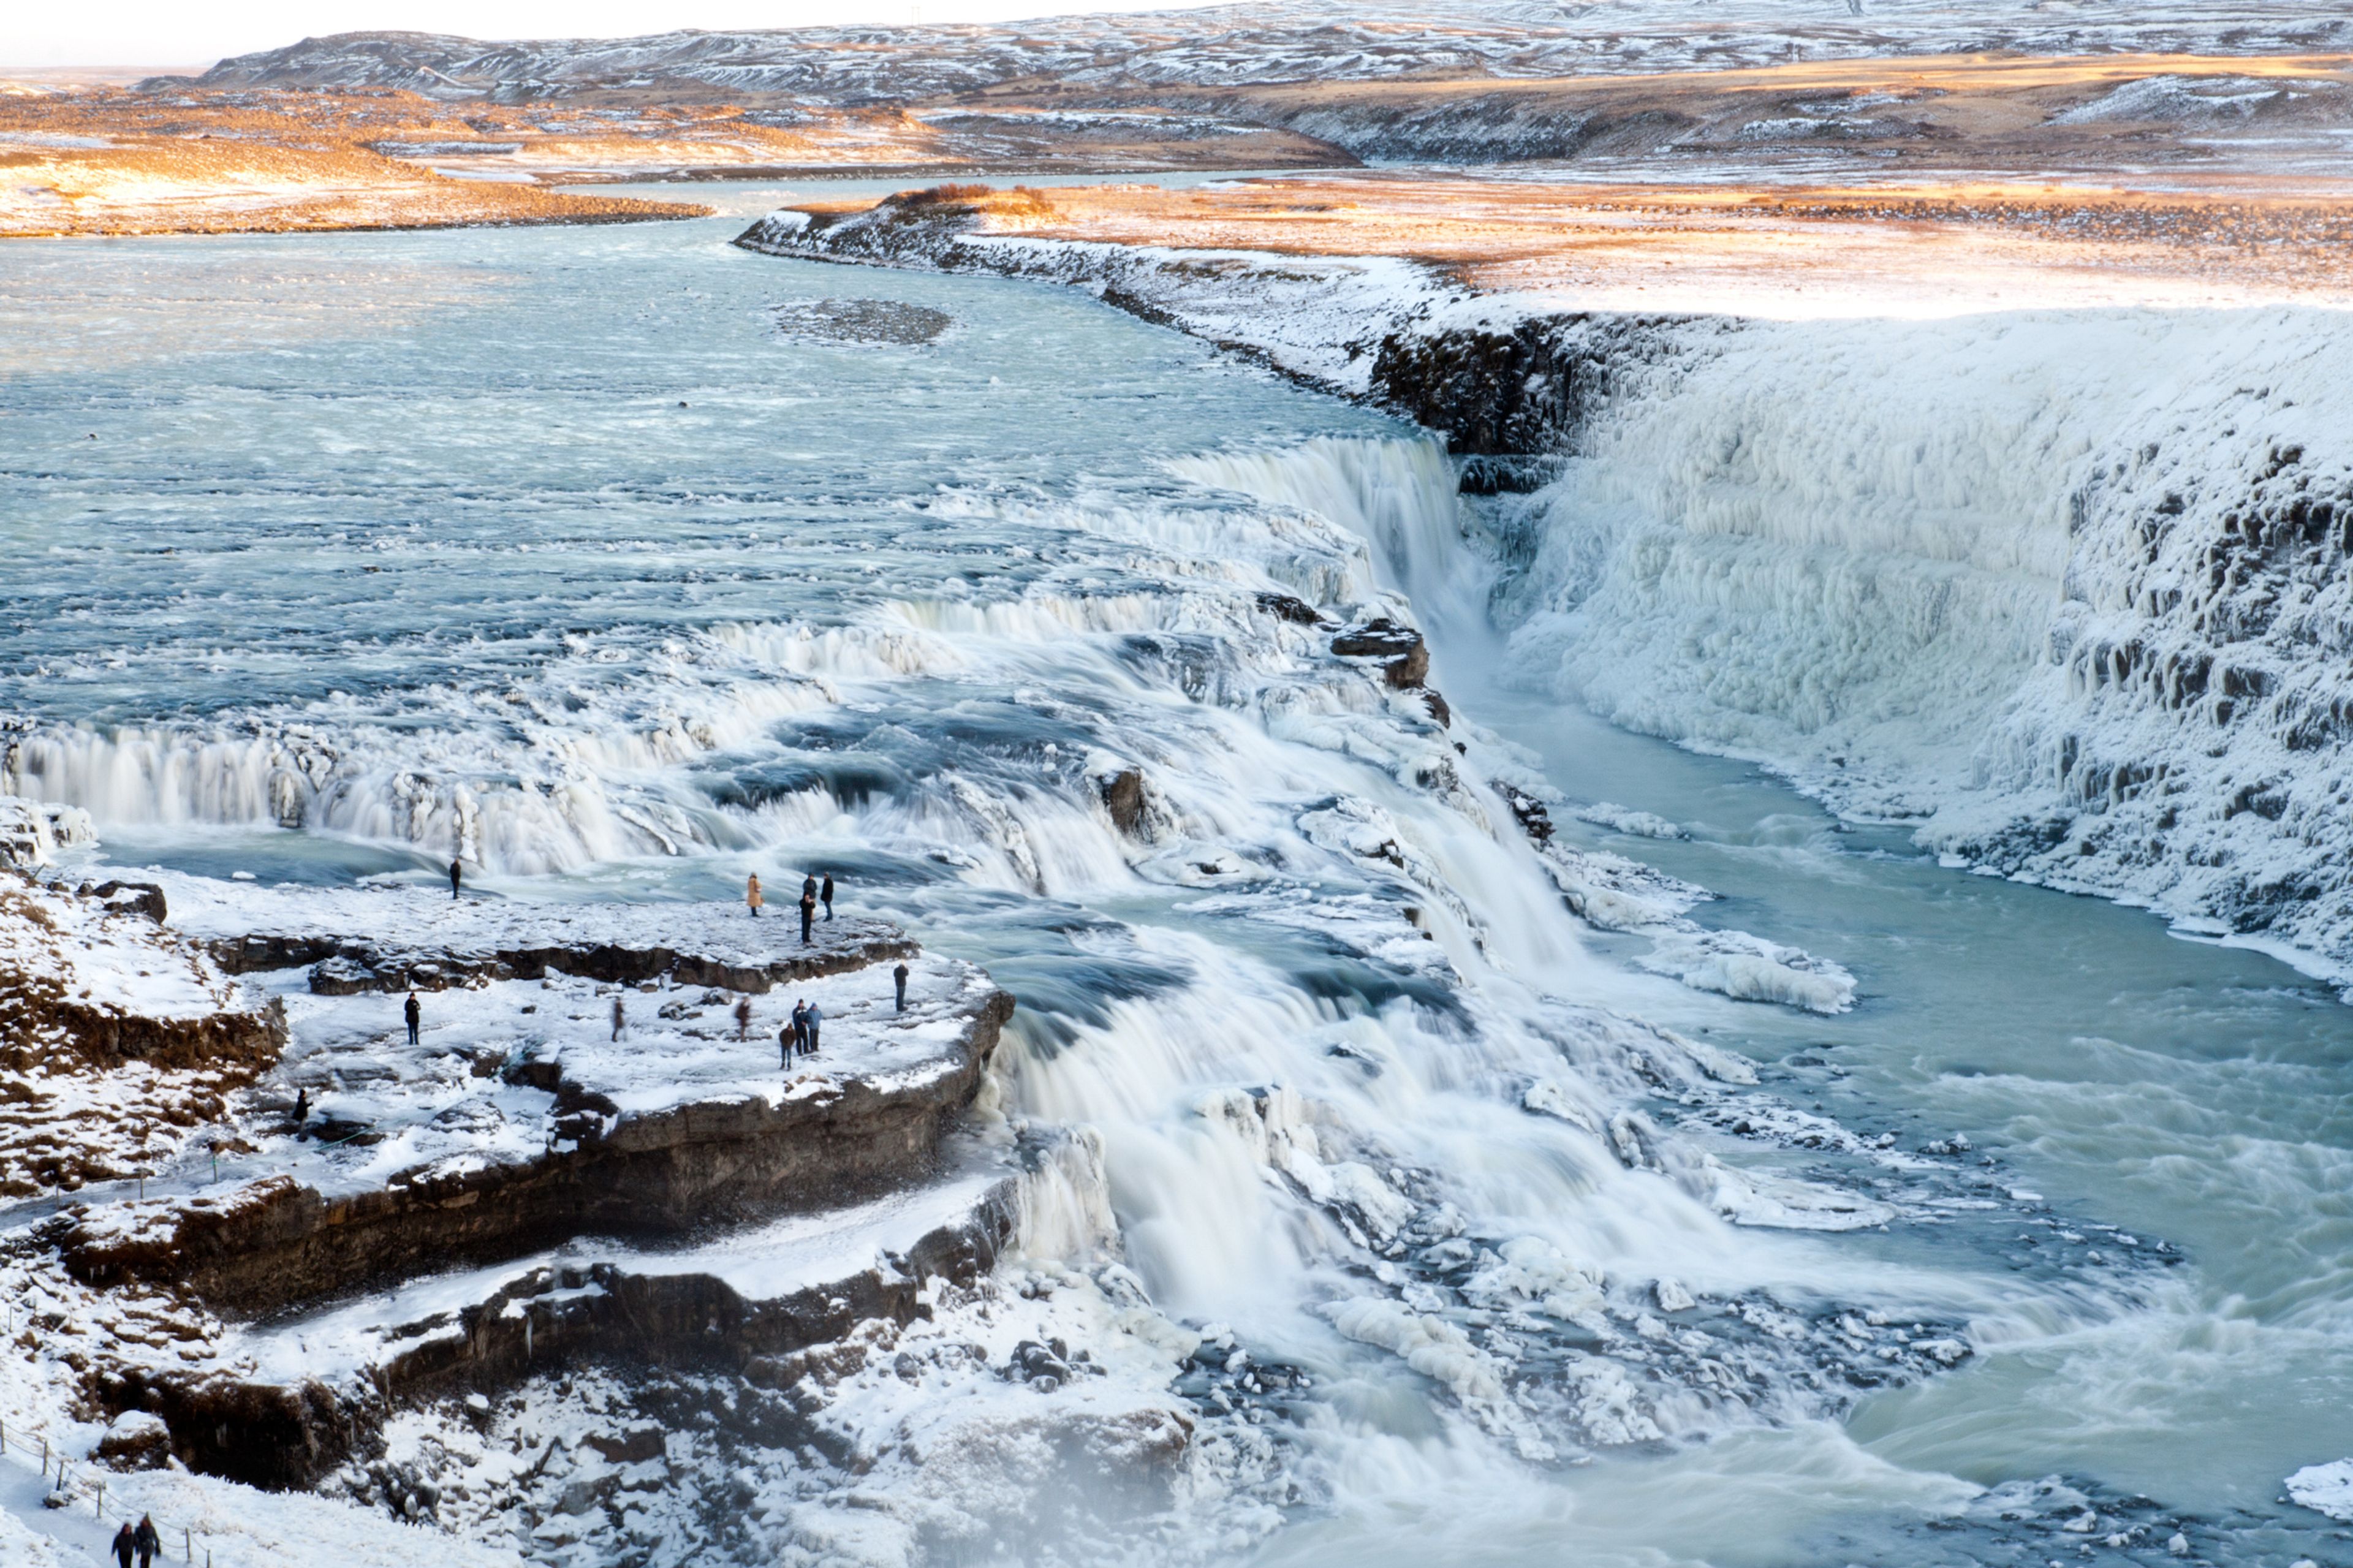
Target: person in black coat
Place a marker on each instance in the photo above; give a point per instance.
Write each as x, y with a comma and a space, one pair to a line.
456, 872
824, 895
808, 913
899, 974
414, 1013
148, 1542
124, 1544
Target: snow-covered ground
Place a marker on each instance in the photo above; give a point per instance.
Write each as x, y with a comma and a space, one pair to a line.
1285, 41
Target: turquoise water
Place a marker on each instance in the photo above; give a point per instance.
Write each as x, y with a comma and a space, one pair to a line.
327, 556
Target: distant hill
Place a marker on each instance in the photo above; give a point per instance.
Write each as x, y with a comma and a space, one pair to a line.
1273, 43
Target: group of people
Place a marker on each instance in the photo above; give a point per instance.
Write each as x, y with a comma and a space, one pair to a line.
143, 1542
813, 893
797, 1038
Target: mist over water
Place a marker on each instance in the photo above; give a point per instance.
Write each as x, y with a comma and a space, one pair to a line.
327, 558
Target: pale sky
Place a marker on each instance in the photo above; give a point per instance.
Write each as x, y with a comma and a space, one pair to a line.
175, 33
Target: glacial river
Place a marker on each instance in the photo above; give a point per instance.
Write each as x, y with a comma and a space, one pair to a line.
625, 562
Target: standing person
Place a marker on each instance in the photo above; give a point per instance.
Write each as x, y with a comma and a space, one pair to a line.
800, 1028
125, 1544
784, 1044
808, 913
809, 885
824, 895
456, 872
816, 1017
413, 1013
148, 1541
620, 1019
899, 974
752, 893
744, 1019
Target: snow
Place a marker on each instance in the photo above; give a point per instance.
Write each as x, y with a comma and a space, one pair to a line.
2326, 1489
1278, 41
763, 1263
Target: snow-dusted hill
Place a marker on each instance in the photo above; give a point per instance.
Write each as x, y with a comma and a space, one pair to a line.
1278, 41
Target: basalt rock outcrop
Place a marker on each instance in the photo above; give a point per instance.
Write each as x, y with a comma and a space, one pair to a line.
1401, 655
348, 966
633, 1309
89, 980
277, 1241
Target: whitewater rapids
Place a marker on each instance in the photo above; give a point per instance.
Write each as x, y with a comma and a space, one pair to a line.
617, 594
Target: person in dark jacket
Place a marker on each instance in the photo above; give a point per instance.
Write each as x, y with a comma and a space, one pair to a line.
149, 1542
899, 974
808, 913
816, 1017
413, 1013
800, 1028
744, 1018
809, 885
124, 1544
784, 1044
456, 873
824, 895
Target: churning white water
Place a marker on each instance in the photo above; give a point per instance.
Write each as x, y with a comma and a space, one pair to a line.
551, 549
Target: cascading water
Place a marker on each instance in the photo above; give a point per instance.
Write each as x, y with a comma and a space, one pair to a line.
2071, 586
1515, 1252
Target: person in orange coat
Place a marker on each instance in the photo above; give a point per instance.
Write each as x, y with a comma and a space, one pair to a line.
752, 893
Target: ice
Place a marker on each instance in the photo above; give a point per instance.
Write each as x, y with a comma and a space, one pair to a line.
2326, 1489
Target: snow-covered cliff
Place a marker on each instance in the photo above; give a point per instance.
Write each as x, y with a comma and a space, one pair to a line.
2071, 590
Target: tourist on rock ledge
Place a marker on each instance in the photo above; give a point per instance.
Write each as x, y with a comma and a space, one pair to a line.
824, 895
752, 893
743, 1015
814, 1016
809, 885
800, 1047
785, 1041
620, 1019
808, 913
413, 1012
899, 974
456, 872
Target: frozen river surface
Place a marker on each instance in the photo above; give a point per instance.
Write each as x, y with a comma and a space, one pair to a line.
624, 562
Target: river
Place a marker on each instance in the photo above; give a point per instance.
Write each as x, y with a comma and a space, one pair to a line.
625, 562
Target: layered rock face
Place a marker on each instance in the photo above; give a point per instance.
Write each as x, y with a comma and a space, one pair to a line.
603, 1071
117, 1040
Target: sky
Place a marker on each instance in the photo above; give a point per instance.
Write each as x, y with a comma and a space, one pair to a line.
173, 33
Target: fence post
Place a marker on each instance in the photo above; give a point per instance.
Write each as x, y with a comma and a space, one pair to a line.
100, 1504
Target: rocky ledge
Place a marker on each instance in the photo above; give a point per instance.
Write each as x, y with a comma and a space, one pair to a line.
340, 1211
282, 1401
